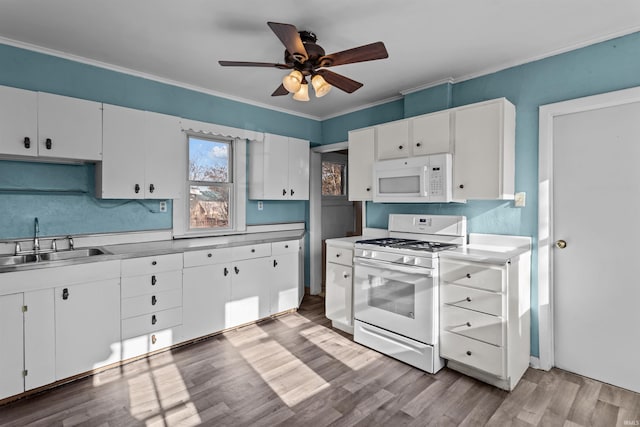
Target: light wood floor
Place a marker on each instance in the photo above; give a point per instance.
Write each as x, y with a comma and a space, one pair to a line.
296, 370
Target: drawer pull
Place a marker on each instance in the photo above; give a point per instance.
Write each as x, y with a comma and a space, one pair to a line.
236, 269
153, 280
468, 276
154, 300
27, 142
209, 255
275, 263
65, 294
286, 246
48, 143
468, 353
225, 271
337, 255
345, 275
154, 262
153, 339
153, 319
468, 324
468, 299
253, 250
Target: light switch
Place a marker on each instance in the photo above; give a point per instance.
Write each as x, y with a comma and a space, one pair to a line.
163, 206
521, 200
260, 205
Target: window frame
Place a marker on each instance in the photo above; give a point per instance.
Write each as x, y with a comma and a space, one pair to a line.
339, 159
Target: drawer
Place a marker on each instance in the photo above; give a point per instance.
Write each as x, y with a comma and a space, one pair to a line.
339, 255
251, 251
152, 264
151, 283
147, 343
151, 322
477, 354
150, 303
286, 247
471, 298
207, 257
472, 324
481, 276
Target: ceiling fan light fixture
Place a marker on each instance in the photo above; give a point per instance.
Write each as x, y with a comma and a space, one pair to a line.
320, 86
303, 93
292, 81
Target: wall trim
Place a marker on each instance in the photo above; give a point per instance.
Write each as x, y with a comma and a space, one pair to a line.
547, 113
449, 80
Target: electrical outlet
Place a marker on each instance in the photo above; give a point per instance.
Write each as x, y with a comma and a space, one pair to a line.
260, 205
163, 206
521, 200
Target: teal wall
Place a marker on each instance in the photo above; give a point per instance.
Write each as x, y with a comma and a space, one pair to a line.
603, 67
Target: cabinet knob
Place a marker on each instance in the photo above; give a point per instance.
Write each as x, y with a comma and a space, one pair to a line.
27, 142
461, 186
252, 250
236, 269
468, 276
286, 246
368, 189
154, 300
151, 188
225, 271
337, 255
345, 275
65, 294
468, 299
153, 280
284, 191
153, 319
153, 339
48, 143
154, 262
209, 255
292, 192
468, 353
418, 144
468, 324
275, 263
400, 147
137, 188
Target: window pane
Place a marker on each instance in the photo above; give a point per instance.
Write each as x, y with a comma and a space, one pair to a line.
333, 179
209, 206
209, 160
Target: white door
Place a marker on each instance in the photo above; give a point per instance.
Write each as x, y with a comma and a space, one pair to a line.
39, 339
596, 182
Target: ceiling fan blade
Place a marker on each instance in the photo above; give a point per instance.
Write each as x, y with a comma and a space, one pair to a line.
367, 52
288, 35
254, 64
280, 91
340, 81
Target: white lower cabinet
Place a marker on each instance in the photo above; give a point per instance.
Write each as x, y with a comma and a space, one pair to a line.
339, 287
249, 292
284, 276
12, 338
151, 302
87, 327
484, 318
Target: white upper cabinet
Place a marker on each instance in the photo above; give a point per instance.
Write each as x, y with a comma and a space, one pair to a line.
279, 168
141, 152
361, 158
49, 126
431, 133
484, 151
393, 140
18, 122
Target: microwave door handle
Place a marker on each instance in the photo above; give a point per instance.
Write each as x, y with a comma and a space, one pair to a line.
394, 267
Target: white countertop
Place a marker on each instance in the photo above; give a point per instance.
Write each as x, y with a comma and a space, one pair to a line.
490, 248
344, 242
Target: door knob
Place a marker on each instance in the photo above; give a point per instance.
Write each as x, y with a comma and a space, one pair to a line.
561, 244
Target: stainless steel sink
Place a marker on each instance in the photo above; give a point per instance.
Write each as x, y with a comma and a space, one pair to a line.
17, 259
76, 253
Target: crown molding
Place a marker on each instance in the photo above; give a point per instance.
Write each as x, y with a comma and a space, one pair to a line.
449, 80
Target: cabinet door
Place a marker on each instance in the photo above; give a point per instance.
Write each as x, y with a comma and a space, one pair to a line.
39, 339
206, 292
249, 292
283, 282
482, 166
73, 126
431, 134
393, 140
276, 167
121, 173
18, 120
165, 146
87, 327
298, 169
12, 353
361, 155
339, 299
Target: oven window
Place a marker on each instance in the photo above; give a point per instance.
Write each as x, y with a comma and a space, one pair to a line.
401, 184
392, 295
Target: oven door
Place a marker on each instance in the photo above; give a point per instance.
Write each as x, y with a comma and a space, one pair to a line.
398, 298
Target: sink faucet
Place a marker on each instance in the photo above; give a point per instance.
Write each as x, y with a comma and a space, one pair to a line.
36, 236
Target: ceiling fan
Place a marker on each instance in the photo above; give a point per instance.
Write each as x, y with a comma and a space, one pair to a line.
306, 58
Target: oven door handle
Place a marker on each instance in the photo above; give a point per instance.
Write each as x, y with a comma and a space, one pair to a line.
395, 267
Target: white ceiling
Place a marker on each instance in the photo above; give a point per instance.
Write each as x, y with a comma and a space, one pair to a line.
181, 41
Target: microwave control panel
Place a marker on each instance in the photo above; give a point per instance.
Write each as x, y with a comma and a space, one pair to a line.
438, 169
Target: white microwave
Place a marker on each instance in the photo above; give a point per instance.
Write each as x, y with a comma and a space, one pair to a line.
419, 179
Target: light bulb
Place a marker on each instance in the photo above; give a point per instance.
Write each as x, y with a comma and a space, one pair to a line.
320, 85
303, 93
292, 81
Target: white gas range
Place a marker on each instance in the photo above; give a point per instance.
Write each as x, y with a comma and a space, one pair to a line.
396, 287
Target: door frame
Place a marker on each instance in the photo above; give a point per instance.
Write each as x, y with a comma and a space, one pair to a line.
315, 213
547, 113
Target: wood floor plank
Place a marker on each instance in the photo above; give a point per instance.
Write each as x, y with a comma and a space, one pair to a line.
295, 370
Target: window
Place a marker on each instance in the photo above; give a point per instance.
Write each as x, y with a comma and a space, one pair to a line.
211, 184
334, 182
